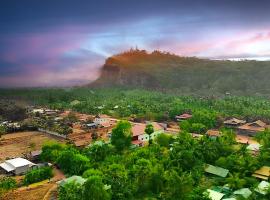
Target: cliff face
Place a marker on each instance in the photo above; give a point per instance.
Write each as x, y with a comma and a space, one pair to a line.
165, 71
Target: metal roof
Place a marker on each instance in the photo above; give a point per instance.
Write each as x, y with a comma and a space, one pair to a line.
7, 167
263, 187
214, 195
245, 192
19, 162
216, 170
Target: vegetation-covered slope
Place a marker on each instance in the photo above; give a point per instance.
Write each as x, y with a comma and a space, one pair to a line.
186, 74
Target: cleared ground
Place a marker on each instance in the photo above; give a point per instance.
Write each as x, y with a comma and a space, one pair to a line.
30, 193
17, 144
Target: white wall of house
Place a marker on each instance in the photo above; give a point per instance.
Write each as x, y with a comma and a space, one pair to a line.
145, 137
22, 170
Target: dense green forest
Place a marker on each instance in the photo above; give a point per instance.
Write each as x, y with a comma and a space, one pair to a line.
169, 168
188, 75
140, 104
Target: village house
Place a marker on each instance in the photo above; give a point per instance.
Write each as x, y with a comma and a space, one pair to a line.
34, 155
262, 173
234, 122
183, 117
139, 136
252, 128
17, 166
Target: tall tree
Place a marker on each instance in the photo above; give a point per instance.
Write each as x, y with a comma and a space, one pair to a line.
149, 129
94, 189
121, 135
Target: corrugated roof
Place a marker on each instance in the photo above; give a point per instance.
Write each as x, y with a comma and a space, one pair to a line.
19, 162
254, 147
7, 167
234, 121
254, 126
216, 170
245, 192
263, 188
214, 195
262, 173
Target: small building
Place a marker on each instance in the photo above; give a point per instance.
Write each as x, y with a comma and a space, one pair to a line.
218, 171
183, 117
91, 125
252, 128
234, 122
263, 188
213, 133
262, 173
17, 166
35, 155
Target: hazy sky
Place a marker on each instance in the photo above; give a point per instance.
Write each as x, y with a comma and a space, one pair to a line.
65, 42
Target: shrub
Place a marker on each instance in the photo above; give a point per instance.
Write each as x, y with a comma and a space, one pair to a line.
37, 175
7, 183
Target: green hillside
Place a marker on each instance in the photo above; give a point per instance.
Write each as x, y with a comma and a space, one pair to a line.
159, 70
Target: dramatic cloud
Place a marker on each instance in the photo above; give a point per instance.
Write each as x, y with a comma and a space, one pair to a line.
65, 42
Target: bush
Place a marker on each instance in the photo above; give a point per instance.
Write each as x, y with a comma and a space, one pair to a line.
72, 162
51, 151
7, 183
164, 140
37, 175
70, 191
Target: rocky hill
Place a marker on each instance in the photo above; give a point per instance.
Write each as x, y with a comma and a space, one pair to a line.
164, 71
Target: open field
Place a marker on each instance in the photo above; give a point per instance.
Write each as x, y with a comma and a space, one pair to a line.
30, 193
16, 144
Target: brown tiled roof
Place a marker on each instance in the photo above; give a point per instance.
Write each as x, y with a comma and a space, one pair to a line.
213, 132
234, 121
254, 126
138, 128
184, 116
245, 139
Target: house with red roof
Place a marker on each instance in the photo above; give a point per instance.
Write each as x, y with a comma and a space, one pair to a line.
138, 132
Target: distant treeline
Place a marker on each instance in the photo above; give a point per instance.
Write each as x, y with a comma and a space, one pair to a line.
140, 104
